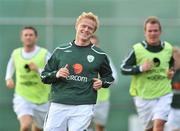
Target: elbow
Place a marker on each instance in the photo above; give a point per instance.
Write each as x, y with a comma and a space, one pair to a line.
106, 84
123, 72
45, 81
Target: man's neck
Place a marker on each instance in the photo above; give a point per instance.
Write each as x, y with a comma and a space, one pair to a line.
81, 43
29, 49
154, 44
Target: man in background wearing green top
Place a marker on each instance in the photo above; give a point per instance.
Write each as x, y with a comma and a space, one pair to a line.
150, 64
30, 101
101, 108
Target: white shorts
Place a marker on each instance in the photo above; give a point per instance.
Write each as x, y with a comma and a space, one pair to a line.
174, 119
101, 111
23, 107
149, 110
72, 117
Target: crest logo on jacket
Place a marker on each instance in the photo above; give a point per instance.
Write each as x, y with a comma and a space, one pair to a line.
90, 58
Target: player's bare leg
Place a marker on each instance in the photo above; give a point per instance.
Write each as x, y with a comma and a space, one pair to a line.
34, 128
158, 125
99, 127
149, 129
25, 122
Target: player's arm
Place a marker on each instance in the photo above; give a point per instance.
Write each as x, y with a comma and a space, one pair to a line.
33, 67
106, 73
48, 75
171, 71
9, 73
171, 63
48, 55
129, 67
114, 71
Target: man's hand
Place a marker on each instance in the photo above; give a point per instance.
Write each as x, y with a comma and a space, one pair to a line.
10, 83
97, 84
170, 73
33, 67
63, 72
147, 65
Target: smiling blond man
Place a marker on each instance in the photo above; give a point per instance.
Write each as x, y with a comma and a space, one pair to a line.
73, 72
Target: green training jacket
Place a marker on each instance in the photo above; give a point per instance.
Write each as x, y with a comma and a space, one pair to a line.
84, 64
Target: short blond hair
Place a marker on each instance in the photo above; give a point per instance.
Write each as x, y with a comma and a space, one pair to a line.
89, 15
152, 20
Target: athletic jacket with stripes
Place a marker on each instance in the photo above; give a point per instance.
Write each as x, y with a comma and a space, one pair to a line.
84, 64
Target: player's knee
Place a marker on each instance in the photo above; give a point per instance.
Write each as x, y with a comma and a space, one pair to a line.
25, 127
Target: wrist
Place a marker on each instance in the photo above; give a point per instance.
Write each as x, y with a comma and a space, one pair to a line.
57, 74
141, 68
